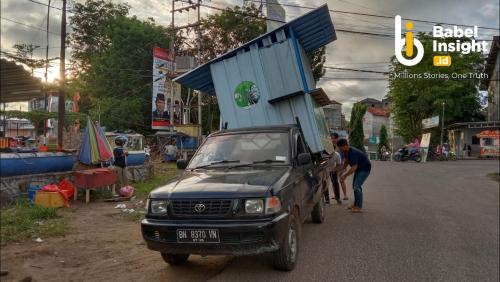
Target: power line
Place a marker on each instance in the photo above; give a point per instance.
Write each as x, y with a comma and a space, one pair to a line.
29, 26
375, 15
356, 70
40, 3
382, 35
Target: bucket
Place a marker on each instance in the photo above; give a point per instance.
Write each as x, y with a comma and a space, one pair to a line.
32, 192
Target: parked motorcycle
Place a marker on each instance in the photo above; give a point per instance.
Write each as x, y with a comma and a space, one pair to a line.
384, 156
402, 155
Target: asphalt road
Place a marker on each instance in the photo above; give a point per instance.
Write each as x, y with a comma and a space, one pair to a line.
437, 221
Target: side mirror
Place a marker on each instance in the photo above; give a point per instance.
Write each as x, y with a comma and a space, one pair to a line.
182, 164
304, 158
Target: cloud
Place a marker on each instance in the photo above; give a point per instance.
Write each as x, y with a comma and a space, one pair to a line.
348, 51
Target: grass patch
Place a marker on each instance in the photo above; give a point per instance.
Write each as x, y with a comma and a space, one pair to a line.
494, 176
142, 189
133, 216
23, 221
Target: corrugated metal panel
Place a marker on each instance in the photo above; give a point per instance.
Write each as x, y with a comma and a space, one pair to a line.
313, 30
275, 73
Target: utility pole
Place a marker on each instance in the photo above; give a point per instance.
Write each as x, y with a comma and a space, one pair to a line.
47, 49
62, 75
198, 59
172, 57
198, 62
442, 126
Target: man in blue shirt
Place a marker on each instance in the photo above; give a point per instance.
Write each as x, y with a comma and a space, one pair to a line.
360, 166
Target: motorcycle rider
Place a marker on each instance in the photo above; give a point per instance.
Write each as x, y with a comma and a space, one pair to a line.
414, 147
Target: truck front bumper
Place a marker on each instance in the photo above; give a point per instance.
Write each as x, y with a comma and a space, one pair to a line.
243, 237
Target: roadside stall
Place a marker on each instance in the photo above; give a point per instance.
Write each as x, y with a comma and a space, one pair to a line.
489, 142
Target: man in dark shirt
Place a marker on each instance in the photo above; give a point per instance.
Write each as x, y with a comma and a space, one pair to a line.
360, 166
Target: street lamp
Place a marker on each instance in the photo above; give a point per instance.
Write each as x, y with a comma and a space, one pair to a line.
442, 125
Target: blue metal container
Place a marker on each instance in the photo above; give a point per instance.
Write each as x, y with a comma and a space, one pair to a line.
136, 158
269, 80
12, 164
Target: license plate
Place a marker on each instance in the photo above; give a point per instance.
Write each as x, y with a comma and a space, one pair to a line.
198, 236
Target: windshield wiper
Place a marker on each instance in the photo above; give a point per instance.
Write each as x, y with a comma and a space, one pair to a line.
268, 162
217, 162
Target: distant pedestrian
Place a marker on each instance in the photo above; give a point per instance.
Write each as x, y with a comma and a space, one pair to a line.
336, 165
120, 155
360, 167
469, 150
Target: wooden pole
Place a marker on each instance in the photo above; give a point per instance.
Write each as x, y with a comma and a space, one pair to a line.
62, 75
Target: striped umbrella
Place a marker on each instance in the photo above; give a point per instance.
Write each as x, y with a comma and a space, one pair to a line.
95, 148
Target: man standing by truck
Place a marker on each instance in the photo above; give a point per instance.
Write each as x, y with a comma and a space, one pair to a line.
360, 166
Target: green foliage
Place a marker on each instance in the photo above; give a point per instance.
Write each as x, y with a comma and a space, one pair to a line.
318, 59
227, 30
23, 221
356, 135
37, 118
383, 138
88, 23
142, 189
415, 99
116, 58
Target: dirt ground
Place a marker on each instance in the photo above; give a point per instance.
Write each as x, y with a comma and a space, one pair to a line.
102, 245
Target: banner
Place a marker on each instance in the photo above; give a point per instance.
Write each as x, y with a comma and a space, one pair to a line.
424, 145
161, 108
430, 122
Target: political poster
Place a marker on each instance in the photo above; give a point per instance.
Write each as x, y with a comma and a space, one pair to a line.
162, 105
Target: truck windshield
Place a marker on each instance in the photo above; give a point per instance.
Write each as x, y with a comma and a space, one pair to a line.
246, 148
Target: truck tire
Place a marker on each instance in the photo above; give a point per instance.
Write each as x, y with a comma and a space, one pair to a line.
174, 259
285, 257
318, 212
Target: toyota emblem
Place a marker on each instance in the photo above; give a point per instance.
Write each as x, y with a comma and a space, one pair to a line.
199, 208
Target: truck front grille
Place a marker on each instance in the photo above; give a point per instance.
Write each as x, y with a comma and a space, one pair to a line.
201, 207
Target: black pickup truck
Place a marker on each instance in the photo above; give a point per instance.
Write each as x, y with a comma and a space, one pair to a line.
245, 191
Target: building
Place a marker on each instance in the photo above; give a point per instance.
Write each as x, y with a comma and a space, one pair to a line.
333, 115
491, 84
372, 103
469, 133
14, 127
373, 120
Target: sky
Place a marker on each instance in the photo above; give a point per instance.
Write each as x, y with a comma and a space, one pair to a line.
350, 50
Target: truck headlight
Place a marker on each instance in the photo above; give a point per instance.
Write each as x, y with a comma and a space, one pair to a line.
159, 206
273, 205
254, 206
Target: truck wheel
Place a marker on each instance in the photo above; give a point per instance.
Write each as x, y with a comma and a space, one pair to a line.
285, 257
174, 259
318, 213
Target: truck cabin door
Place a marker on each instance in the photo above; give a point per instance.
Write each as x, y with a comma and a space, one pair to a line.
304, 180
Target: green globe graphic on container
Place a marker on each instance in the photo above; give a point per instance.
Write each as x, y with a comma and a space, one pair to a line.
246, 94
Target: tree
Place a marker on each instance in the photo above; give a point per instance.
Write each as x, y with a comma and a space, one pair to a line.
414, 99
116, 61
24, 55
318, 59
383, 138
88, 24
356, 135
227, 30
